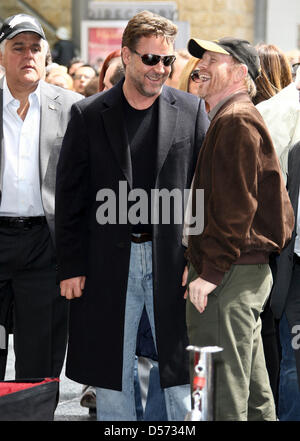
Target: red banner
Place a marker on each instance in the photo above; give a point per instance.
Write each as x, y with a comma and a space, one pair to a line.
102, 41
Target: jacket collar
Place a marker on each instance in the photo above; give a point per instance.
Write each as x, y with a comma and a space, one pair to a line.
235, 97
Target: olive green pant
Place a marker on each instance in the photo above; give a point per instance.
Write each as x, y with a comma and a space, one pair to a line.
231, 320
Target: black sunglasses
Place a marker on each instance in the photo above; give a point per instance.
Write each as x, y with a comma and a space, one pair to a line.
195, 76
152, 59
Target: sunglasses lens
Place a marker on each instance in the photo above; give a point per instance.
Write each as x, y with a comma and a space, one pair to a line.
168, 60
195, 76
150, 59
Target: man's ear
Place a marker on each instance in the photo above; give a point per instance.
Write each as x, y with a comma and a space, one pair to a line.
126, 55
241, 72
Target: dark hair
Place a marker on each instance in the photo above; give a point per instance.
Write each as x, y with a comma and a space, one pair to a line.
48, 59
276, 72
146, 24
88, 65
92, 87
75, 60
118, 74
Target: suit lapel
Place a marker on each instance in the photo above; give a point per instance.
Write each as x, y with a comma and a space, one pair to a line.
167, 121
50, 115
116, 132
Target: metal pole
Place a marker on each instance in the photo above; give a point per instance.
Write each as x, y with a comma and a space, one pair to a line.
79, 13
202, 383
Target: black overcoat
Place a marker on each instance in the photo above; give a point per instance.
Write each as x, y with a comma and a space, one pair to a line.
96, 155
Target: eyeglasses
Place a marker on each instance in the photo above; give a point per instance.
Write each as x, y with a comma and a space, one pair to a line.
152, 59
195, 76
295, 67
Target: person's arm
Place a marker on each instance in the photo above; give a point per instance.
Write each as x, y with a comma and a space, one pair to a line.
72, 288
198, 290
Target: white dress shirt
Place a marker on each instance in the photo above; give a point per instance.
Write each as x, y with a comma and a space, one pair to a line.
281, 113
21, 195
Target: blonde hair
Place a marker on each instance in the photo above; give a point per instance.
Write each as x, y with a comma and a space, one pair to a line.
59, 72
185, 76
251, 86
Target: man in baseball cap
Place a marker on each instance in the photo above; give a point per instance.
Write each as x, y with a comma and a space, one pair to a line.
229, 279
241, 50
33, 119
16, 24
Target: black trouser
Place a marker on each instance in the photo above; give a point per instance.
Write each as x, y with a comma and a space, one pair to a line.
270, 337
6, 297
28, 268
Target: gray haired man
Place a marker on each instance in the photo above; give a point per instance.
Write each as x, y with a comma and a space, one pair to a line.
33, 120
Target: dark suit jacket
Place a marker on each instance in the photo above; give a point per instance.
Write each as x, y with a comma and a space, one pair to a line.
55, 113
281, 301
96, 155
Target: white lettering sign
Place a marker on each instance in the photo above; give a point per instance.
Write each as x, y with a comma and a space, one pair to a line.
125, 11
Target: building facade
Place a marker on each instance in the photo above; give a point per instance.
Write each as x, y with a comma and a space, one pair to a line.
270, 21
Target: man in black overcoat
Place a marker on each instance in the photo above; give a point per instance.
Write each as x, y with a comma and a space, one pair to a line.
120, 147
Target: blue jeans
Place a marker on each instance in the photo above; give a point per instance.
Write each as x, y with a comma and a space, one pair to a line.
150, 401
120, 406
289, 393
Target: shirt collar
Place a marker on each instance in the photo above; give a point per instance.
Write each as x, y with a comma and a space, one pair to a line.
8, 97
218, 106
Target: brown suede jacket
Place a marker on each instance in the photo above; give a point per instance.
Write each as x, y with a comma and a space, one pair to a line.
247, 211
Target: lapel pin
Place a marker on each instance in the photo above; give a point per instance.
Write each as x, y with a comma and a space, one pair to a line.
52, 107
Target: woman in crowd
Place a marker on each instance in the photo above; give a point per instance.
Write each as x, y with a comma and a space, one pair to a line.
189, 75
275, 72
106, 63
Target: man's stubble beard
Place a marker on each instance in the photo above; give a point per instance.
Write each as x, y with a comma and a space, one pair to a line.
148, 94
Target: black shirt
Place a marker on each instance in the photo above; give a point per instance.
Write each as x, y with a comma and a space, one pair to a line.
142, 127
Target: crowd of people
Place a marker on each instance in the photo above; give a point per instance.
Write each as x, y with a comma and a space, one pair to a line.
88, 263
